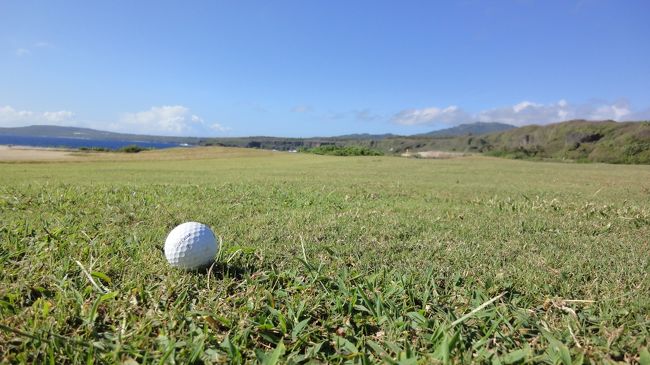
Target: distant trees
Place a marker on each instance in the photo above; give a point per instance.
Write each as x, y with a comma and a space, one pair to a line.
133, 148
341, 151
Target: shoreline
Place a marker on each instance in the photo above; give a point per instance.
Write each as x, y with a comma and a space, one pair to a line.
28, 147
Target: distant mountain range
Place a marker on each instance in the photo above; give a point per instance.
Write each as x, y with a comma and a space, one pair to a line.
466, 129
75, 132
469, 129
87, 133
365, 136
577, 140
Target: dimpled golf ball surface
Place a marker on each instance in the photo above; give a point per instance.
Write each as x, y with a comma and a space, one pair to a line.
190, 246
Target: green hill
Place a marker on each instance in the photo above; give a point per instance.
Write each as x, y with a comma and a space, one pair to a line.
469, 129
577, 140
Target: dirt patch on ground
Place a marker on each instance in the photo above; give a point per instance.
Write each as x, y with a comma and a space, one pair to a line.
25, 154
434, 154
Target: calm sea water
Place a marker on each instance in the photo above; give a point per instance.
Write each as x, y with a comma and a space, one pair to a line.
76, 142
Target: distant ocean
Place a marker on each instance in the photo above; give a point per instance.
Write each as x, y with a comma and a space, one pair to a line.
76, 142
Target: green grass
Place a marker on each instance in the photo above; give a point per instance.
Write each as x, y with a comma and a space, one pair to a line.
326, 259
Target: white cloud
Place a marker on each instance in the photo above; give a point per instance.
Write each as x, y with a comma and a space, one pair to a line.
58, 117
20, 52
10, 117
7, 113
449, 115
524, 105
615, 112
158, 120
220, 128
523, 113
533, 113
526, 113
165, 120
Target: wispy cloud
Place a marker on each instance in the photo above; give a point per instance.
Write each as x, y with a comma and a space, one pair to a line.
11, 117
522, 113
433, 115
639, 115
27, 50
43, 44
301, 109
166, 120
358, 115
365, 115
220, 128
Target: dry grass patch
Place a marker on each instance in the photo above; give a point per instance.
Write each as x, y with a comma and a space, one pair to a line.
37, 154
180, 153
30, 154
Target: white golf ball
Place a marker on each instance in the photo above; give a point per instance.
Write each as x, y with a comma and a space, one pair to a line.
191, 245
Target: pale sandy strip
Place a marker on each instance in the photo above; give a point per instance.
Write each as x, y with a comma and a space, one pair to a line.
23, 153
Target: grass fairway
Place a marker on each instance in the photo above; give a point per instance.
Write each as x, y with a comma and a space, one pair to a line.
328, 259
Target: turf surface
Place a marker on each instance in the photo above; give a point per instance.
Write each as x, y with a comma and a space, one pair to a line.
325, 259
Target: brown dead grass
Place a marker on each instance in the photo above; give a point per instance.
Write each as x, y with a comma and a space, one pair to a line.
28, 154
35, 154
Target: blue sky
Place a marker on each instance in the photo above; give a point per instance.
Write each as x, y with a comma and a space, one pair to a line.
318, 68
